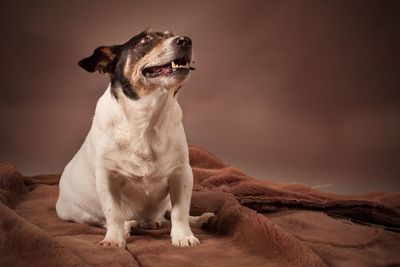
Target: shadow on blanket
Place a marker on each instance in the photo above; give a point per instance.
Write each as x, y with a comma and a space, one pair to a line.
258, 223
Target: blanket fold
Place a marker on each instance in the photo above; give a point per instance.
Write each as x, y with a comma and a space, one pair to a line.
257, 223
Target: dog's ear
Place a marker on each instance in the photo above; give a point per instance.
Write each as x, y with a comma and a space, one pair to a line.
102, 59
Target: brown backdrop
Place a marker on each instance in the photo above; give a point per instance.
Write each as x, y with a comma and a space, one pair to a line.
295, 91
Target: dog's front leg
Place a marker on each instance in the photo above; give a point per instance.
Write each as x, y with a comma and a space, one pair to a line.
180, 189
110, 201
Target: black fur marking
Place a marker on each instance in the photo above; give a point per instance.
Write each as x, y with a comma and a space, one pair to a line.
126, 87
113, 92
136, 50
112, 60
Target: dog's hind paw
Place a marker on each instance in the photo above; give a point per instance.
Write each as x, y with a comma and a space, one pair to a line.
130, 227
201, 221
205, 218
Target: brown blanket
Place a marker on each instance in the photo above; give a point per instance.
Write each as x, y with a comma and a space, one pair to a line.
258, 223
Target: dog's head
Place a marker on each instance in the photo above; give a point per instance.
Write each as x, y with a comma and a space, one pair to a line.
148, 61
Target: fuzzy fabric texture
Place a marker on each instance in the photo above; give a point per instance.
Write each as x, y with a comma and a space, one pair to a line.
257, 223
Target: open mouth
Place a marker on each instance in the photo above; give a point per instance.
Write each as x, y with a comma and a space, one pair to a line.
176, 65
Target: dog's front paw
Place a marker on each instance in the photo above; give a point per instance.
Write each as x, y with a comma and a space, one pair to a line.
185, 241
113, 243
114, 238
182, 235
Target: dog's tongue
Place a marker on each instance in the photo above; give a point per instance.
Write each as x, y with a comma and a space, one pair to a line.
166, 69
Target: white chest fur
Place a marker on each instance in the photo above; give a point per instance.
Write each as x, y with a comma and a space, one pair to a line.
143, 138
137, 145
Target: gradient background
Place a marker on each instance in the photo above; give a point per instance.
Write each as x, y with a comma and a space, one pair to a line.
291, 91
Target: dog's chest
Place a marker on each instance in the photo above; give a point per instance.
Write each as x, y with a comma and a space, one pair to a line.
146, 187
147, 164
146, 143
140, 196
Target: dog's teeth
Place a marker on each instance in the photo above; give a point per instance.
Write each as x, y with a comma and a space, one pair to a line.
177, 66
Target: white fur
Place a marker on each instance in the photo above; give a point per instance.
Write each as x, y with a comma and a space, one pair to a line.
132, 166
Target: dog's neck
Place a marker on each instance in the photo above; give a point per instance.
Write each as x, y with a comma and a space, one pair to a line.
154, 112
143, 125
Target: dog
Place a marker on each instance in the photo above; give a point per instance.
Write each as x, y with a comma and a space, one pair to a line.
133, 166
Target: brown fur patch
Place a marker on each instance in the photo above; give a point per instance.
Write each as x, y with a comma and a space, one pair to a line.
133, 72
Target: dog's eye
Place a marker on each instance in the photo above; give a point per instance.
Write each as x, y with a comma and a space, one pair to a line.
146, 39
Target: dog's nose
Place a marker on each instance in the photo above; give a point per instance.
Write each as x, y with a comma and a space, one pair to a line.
184, 42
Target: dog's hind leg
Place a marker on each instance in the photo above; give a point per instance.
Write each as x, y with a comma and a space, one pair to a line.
130, 226
200, 221
195, 221
133, 225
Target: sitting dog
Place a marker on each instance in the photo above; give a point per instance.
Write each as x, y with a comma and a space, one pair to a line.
133, 166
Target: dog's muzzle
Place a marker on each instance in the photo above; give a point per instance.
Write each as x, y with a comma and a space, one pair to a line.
179, 65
